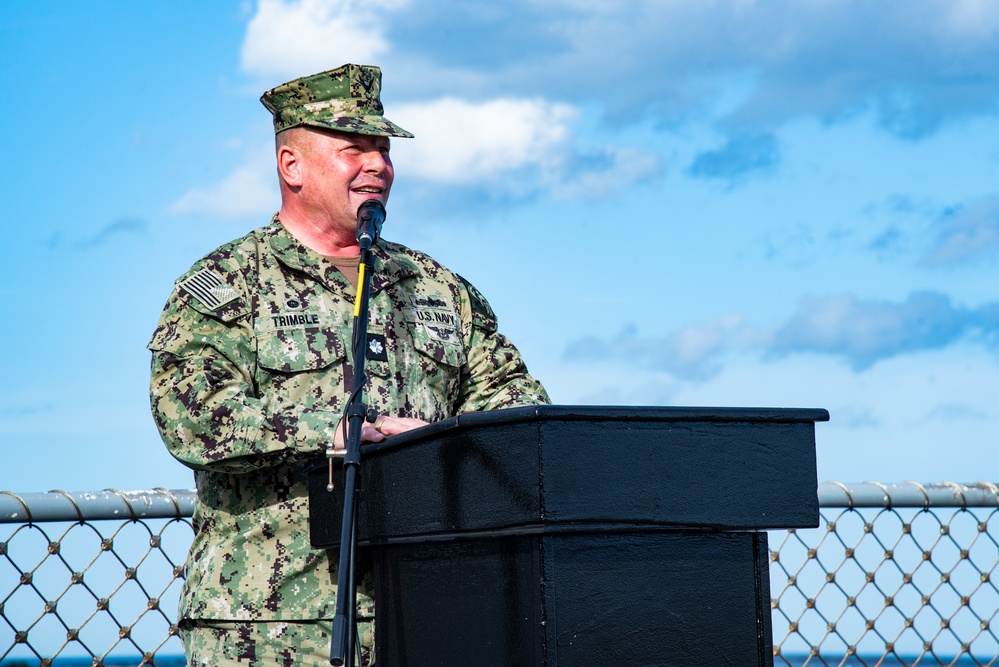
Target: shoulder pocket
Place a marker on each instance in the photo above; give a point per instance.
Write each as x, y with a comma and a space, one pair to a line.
171, 338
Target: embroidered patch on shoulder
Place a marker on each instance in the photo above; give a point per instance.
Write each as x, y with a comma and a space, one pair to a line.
208, 288
483, 316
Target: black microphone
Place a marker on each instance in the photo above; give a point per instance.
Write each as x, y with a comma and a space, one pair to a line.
370, 216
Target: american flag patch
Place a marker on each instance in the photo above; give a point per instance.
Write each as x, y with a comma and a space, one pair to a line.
209, 289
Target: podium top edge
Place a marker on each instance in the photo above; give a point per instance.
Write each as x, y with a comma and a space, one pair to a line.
608, 414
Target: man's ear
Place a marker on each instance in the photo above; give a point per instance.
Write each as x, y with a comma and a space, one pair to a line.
289, 164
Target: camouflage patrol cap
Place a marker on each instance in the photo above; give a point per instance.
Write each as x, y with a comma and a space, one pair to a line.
344, 99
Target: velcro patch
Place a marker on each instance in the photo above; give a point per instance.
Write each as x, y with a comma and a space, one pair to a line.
208, 288
377, 348
444, 334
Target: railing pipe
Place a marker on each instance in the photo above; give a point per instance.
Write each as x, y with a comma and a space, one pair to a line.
179, 503
908, 494
95, 506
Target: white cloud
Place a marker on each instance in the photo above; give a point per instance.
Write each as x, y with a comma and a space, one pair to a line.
866, 332
285, 39
251, 191
918, 417
693, 352
523, 146
613, 169
915, 65
859, 332
508, 146
968, 233
974, 18
514, 144
463, 142
886, 424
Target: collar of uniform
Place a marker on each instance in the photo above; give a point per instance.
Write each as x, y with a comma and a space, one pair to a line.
388, 264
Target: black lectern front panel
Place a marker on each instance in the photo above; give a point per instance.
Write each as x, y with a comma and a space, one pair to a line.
460, 603
563, 536
664, 599
658, 598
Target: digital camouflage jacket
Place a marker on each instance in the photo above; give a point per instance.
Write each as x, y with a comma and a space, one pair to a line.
250, 371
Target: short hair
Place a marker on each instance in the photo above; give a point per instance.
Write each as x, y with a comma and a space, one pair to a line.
289, 137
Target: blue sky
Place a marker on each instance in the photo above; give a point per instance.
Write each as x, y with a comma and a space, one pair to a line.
667, 203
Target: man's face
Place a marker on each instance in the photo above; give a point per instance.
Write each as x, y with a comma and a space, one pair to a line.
342, 170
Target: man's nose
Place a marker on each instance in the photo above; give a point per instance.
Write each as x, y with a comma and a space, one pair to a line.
375, 161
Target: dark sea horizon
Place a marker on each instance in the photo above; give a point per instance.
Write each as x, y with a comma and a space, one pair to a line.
782, 661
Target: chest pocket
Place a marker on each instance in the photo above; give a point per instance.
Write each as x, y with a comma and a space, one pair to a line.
439, 345
434, 374
307, 343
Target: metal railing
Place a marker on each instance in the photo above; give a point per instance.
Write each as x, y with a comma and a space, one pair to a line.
900, 574
94, 575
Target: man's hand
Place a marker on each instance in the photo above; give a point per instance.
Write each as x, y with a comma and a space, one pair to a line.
383, 427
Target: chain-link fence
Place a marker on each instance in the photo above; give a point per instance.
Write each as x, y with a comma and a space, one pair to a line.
900, 574
92, 578
895, 575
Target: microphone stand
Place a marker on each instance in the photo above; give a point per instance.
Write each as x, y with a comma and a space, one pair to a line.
344, 634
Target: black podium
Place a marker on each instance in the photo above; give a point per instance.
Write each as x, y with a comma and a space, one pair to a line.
560, 536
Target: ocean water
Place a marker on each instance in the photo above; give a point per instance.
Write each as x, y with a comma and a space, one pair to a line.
126, 661
782, 661
853, 661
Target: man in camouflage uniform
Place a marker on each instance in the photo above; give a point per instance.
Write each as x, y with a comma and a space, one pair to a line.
251, 370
